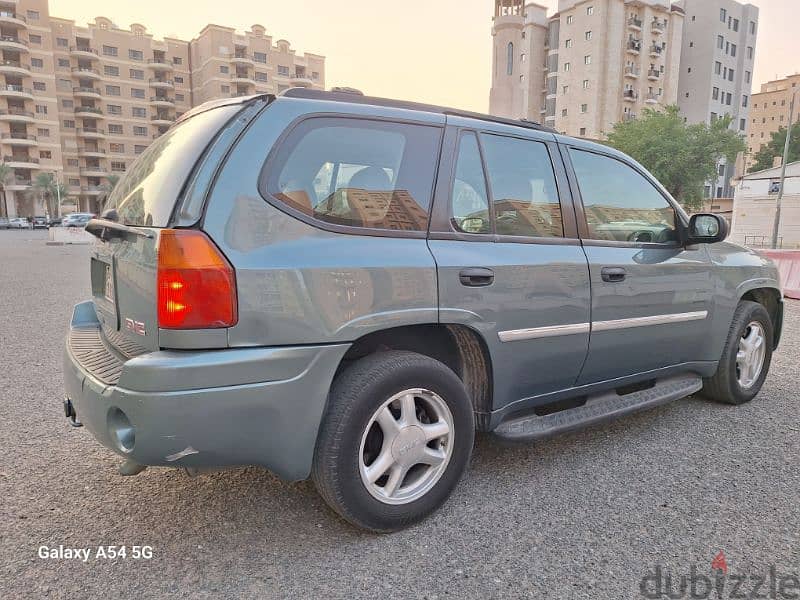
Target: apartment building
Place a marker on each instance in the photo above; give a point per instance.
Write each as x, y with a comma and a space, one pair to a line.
716, 71
592, 64
770, 110
82, 102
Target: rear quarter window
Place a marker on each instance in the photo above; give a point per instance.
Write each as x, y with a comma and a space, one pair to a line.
146, 194
356, 173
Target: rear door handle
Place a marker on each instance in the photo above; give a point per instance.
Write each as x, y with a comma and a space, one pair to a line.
613, 274
476, 277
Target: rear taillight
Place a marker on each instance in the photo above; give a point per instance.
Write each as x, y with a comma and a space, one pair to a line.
196, 284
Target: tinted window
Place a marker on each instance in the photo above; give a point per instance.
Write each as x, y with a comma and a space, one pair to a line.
147, 192
619, 203
523, 187
359, 173
470, 203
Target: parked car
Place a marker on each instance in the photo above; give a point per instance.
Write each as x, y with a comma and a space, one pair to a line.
3, 223
76, 219
54, 222
19, 223
40, 222
347, 288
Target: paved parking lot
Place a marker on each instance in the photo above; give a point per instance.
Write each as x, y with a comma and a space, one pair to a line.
586, 515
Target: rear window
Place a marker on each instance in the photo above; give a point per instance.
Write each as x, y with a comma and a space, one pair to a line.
357, 172
147, 192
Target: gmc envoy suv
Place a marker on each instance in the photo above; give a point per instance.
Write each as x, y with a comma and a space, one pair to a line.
348, 288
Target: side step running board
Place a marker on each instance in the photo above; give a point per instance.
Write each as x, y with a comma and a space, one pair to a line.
603, 407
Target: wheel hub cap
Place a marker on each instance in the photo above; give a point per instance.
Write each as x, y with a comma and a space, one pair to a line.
751, 354
406, 446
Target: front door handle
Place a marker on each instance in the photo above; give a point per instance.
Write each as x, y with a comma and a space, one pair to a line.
613, 274
476, 277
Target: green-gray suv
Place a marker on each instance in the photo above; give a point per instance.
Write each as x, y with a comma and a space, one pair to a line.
347, 288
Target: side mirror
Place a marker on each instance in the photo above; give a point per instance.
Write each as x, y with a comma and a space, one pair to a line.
706, 229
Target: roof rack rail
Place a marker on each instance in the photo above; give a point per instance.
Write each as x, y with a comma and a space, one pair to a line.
344, 94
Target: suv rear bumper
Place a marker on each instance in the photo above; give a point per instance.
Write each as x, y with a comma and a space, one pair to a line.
205, 408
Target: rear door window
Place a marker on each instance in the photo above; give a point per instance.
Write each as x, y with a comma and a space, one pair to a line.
357, 173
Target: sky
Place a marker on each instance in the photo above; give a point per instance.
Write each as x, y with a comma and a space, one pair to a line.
436, 51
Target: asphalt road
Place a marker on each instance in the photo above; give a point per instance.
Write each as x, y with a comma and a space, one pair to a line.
586, 515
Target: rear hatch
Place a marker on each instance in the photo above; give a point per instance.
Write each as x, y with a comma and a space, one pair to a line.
124, 259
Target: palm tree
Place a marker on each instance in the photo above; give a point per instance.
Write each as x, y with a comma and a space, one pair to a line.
5, 173
108, 186
45, 185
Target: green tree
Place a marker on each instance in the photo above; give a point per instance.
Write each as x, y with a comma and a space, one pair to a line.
763, 159
5, 173
682, 157
51, 190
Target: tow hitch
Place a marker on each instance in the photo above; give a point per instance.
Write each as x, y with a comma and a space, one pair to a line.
69, 412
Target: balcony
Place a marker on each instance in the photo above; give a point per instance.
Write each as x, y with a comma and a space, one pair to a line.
86, 92
242, 78
635, 23
13, 19
16, 91
89, 111
301, 80
162, 101
18, 183
91, 132
242, 58
93, 190
92, 152
159, 64
21, 161
653, 74
17, 115
658, 27
634, 46
652, 98
93, 171
83, 52
161, 83
630, 95
632, 72
19, 139
162, 120
15, 67
656, 51
12, 42
86, 72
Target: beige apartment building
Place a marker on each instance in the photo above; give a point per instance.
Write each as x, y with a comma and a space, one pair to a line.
592, 64
82, 102
770, 111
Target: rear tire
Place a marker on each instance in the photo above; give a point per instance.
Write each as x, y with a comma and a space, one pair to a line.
746, 357
395, 440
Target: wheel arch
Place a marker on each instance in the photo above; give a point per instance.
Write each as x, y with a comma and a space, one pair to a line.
771, 299
458, 346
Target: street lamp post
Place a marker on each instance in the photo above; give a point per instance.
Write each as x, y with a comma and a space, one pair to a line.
776, 226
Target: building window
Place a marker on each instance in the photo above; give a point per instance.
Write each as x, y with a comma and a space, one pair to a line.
63, 63
713, 117
110, 50
570, 19
587, 60
565, 89
138, 130
260, 76
116, 148
509, 60
521, 78
139, 112
115, 129
733, 49
137, 93
177, 60
584, 108
752, 27
135, 54
568, 43
179, 97
260, 57
38, 63
587, 36
62, 42
583, 132
747, 76
111, 71
715, 94
523, 57
586, 84
69, 124
718, 68
178, 79
566, 67
315, 75
114, 109
74, 182
117, 167
112, 90
47, 154
43, 132
723, 15
138, 149
284, 70
67, 103
41, 109
742, 124
35, 39
564, 112
136, 73
224, 69
590, 10
720, 42
730, 74
750, 52
225, 89
39, 86
744, 100
736, 24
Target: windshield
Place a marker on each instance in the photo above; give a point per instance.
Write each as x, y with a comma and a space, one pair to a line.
147, 193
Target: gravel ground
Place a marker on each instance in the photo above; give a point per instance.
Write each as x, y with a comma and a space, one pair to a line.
586, 515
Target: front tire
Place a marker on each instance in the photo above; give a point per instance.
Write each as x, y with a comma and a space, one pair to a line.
395, 440
746, 357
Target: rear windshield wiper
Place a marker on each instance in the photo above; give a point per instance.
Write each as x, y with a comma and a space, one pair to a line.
105, 229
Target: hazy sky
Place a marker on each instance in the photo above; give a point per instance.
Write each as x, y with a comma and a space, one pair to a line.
436, 51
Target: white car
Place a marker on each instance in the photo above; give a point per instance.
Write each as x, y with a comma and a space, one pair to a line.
19, 223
